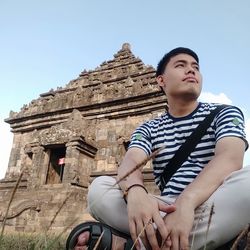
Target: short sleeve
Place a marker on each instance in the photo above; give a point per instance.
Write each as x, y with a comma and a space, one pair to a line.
141, 138
230, 122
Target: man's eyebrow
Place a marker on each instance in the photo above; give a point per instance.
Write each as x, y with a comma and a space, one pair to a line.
184, 61
180, 61
196, 63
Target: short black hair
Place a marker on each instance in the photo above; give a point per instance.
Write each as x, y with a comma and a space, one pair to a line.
166, 58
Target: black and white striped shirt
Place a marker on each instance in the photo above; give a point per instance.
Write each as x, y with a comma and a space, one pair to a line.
172, 132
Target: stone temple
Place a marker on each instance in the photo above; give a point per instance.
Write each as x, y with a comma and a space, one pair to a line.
69, 136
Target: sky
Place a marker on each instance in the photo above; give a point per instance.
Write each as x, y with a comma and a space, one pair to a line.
45, 44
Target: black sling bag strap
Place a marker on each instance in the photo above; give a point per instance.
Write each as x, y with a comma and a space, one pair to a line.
186, 148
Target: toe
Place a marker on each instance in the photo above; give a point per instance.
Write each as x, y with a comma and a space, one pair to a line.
83, 239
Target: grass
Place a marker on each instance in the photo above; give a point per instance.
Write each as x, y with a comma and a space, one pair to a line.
24, 241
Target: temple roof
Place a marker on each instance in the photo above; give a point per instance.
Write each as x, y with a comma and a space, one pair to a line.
123, 80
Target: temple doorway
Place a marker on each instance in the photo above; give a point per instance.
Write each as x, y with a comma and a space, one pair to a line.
56, 164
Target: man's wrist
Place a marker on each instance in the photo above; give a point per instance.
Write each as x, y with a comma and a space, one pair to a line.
187, 199
125, 192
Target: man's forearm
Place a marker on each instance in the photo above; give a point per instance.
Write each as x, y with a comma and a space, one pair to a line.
131, 160
207, 181
228, 157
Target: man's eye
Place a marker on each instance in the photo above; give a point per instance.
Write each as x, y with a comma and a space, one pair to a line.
196, 68
180, 65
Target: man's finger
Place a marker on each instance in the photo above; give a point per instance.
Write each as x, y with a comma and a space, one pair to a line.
140, 232
165, 207
132, 230
166, 245
151, 235
175, 242
161, 227
184, 243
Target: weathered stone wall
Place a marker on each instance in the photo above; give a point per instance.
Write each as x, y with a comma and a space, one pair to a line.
87, 125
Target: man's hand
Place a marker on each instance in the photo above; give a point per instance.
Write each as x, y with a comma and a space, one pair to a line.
180, 223
143, 211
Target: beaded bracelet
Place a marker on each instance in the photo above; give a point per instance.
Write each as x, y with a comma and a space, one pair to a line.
125, 192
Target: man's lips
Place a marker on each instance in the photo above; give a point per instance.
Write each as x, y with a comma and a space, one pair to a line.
190, 79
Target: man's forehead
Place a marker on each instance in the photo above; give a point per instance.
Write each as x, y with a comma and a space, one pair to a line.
183, 57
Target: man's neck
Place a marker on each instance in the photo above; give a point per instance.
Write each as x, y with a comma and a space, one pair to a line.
180, 109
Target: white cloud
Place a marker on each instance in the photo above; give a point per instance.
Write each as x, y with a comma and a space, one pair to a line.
210, 97
5, 146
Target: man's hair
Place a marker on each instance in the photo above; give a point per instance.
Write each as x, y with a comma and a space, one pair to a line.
166, 58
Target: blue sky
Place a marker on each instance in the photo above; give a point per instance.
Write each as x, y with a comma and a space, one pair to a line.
45, 44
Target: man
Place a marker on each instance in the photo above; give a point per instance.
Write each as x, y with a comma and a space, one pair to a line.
206, 202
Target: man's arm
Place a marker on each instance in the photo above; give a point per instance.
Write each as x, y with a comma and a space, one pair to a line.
133, 157
229, 153
142, 208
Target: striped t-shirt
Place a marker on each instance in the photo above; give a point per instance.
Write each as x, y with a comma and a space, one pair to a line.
172, 132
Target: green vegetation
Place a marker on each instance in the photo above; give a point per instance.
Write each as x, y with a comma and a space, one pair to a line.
24, 241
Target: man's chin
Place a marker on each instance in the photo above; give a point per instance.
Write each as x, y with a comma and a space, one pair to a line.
190, 96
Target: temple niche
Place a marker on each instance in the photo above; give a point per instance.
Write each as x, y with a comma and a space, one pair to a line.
69, 136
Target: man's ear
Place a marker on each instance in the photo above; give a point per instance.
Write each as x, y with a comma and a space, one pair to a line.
160, 81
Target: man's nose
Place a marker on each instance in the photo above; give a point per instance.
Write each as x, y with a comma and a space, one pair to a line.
190, 70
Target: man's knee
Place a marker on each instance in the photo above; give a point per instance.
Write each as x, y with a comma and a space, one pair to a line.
102, 197
244, 180
99, 187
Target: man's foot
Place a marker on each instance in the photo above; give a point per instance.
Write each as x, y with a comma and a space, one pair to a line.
96, 235
82, 243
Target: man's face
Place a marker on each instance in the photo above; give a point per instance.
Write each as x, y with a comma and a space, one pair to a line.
181, 78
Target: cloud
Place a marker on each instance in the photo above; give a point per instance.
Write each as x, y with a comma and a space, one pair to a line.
210, 97
5, 146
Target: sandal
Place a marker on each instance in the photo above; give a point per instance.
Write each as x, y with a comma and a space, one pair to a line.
96, 229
